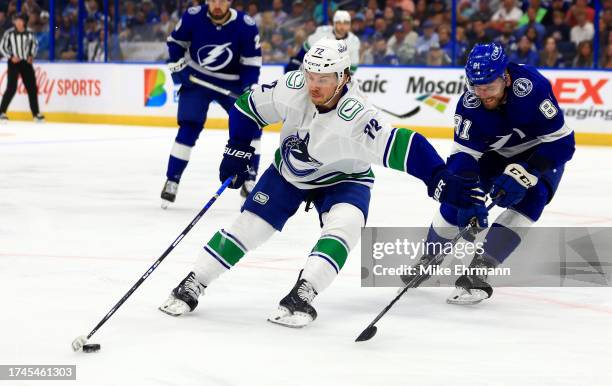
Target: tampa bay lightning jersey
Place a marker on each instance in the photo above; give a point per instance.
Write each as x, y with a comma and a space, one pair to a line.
228, 55
529, 117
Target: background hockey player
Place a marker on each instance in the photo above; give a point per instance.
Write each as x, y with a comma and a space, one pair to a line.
509, 131
221, 46
330, 135
341, 30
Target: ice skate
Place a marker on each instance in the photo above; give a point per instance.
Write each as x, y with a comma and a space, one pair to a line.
168, 194
473, 288
39, 118
294, 310
184, 298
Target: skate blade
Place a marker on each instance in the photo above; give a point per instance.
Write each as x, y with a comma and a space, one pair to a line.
165, 204
284, 317
461, 296
174, 307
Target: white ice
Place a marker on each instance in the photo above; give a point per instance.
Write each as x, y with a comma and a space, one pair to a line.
80, 222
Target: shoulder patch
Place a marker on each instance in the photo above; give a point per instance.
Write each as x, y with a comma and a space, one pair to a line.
194, 10
295, 80
522, 87
349, 109
248, 20
470, 100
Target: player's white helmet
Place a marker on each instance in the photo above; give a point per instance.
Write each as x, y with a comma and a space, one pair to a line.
342, 16
328, 56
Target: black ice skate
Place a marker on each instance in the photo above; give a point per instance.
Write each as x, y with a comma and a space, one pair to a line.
418, 277
294, 310
184, 298
168, 194
473, 288
39, 118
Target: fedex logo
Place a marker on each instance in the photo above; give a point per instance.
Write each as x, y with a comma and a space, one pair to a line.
578, 90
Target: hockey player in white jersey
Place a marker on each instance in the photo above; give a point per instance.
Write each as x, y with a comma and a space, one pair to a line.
341, 30
330, 135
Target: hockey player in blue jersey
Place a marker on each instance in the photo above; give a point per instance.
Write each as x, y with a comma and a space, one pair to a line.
221, 46
509, 131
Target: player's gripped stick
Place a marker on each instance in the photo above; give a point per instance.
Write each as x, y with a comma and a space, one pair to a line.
370, 331
81, 341
213, 87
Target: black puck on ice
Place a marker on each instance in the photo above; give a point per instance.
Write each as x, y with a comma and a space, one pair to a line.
91, 347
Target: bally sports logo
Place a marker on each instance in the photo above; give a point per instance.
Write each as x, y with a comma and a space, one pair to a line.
154, 92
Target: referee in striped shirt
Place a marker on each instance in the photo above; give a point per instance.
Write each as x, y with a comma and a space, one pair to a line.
19, 46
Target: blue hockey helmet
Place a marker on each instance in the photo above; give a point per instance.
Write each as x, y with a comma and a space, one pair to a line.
485, 63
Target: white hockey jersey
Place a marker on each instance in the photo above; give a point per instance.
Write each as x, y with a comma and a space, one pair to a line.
321, 149
327, 31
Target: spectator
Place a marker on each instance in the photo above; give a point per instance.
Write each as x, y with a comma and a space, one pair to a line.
295, 20
583, 30
550, 55
148, 9
483, 12
507, 38
555, 6
379, 53
444, 39
581, 6
584, 55
71, 8
606, 57
253, 12
164, 28
358, 25
507, 12
129, 15
525, 53
437, 57
403, 43
461, 46
317, 14
278, 48
539, 14
478, 34
558, 29
381, 28
465, 12
532, 22
267, 27
279, 15
428, 37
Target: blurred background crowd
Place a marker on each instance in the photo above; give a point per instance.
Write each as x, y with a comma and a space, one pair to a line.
545, 33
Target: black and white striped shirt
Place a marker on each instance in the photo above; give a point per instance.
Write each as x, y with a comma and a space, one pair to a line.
19, 44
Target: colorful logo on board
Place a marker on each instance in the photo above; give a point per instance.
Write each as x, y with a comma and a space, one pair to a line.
154, 92
436, 102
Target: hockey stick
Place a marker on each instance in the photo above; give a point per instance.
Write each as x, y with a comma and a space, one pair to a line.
78, 343
213, 87
369, 332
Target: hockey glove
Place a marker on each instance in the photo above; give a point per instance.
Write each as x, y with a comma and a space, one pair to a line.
454, 190
179, 72
478, 212
236, 158
513, 183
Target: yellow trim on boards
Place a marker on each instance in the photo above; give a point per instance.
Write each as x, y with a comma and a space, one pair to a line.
593, 139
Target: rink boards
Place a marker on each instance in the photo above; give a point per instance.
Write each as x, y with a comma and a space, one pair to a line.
420, 98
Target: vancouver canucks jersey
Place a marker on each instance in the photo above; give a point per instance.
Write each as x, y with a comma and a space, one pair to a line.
530, 117
325, 148
327, 31
228, 55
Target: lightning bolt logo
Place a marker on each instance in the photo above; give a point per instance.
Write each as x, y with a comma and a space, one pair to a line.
213, 56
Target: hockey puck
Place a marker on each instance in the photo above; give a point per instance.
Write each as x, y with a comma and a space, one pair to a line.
91, 347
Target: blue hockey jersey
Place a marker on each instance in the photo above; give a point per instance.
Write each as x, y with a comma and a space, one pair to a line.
530, 118
228, 55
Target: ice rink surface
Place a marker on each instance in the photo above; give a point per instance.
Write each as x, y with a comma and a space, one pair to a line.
80, 222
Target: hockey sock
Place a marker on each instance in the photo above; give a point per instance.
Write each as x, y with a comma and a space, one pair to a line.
179, 158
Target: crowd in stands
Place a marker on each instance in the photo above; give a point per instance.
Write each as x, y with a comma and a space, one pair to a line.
544, 33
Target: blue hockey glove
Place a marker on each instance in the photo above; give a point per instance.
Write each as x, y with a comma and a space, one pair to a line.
236, 158
179, 71
478, 212
454, 190
513, 184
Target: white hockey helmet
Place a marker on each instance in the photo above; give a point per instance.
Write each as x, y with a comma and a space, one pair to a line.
342, 16
328, 56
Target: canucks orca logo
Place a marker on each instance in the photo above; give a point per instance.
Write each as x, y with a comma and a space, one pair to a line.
294, 151
215, 57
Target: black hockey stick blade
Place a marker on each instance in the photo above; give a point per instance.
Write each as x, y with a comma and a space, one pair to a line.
367, 334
